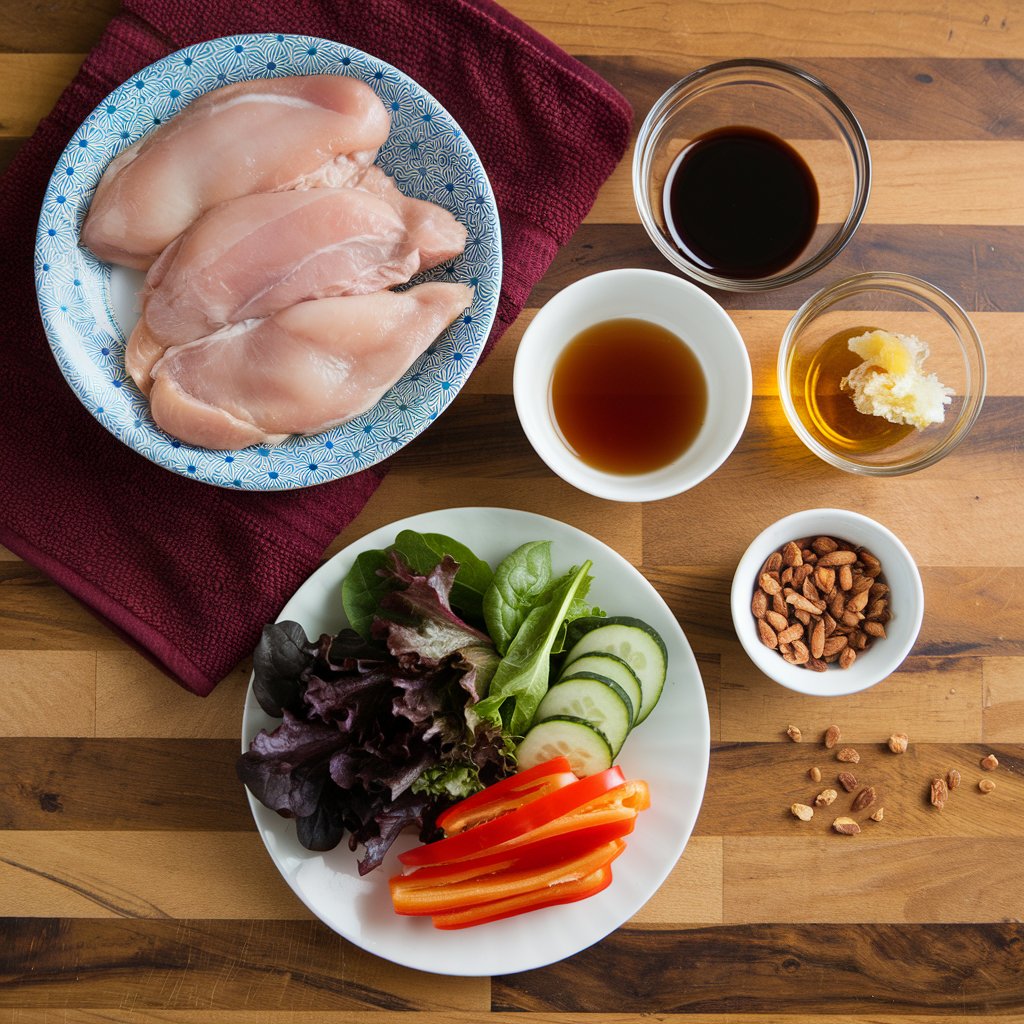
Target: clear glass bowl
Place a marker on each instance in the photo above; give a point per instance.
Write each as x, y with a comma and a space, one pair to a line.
772, 97
900, 304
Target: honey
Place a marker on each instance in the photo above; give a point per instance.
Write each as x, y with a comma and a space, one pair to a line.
831, 414
628, 396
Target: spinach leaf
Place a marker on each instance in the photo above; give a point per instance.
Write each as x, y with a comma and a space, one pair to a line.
520, 582
363, 588
522, 676
422, 551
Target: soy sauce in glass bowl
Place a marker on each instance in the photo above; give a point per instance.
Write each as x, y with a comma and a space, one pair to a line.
750, 175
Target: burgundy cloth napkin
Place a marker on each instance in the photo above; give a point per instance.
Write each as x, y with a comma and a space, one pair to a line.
188, 571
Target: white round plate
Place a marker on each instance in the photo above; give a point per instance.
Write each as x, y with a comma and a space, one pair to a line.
89, 308
669, 750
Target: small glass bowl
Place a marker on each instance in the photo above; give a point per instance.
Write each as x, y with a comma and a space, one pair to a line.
896, 303
776, 98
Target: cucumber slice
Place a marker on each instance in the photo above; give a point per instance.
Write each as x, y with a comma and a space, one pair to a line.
596, 700
586, 747
635, 642
610, 666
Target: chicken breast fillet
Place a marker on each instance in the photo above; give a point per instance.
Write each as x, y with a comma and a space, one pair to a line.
256, 255
300, 371
257, 136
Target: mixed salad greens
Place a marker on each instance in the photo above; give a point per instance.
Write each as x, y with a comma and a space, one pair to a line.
427, 696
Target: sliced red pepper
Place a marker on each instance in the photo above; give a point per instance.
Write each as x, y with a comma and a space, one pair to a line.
567, 892
507, 795
530, 855
450, 897
516, 825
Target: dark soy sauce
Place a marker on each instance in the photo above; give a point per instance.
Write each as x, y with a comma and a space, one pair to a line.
628, 396
740, 202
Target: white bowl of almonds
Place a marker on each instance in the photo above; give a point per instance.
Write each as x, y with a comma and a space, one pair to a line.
827, 602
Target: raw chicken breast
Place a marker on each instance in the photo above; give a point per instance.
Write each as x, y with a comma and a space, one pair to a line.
255, 136
259, 254
300, 371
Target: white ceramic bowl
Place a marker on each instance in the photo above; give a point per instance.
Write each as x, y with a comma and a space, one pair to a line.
679, 307
899, 571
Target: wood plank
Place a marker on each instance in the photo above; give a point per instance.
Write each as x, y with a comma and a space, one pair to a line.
979, 269
762, 332
691, 893
30, 85
48, 693
215, 966
1003, 709
718, 29
904, 98
122, 783
770, 970
753, 786
859, 878
988, 625
932, 700
912, 182
66, 26
69, 874
233, 1016
135, 698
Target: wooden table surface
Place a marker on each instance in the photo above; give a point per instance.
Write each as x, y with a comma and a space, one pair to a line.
133, 885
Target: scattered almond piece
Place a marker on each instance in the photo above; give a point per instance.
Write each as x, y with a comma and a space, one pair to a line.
990, 763
794, 734
832, 735
814, 774
802, 811
825, 797
879, 814
849, 755
848, 781
863, 800
952, 778
940, 793
898, 742
846, 826
986, 785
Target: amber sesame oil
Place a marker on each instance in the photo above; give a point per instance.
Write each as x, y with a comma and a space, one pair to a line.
831, 415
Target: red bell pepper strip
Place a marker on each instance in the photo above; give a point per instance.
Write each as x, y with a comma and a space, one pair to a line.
567, 892
450, 897
507, 795
516, 825
551, 850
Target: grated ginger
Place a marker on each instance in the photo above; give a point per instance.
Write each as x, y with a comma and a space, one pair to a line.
891, 382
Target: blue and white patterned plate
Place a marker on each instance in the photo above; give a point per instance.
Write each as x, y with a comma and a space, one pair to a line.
89, 308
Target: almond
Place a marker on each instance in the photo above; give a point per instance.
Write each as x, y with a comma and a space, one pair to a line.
846, 826
833, 645
800, 653
858, 602
848, 781
875, 629
774, 619
802, 811
769, 584
898, 742
791, 554
791, 633
814, 774
845, 578
825, 578
838, 557
816, 665
766, 634
863, 800
774, 563
847, 656
832, 736
759, 604
818, 640
824, 545
849, 755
